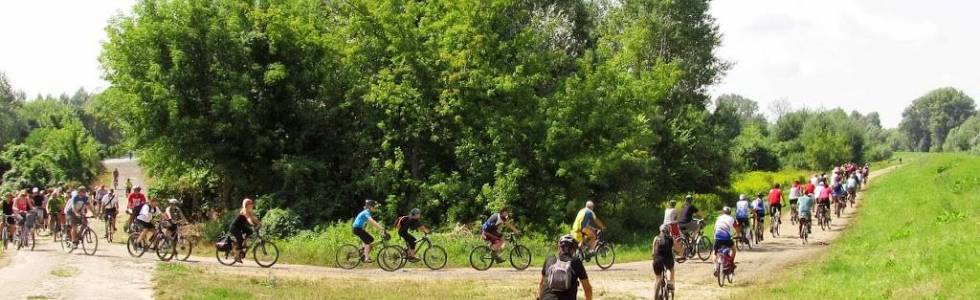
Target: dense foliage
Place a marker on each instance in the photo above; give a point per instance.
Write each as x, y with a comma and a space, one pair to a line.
965, 137
931, 117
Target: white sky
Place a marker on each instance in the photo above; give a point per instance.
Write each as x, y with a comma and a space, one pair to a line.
871, 55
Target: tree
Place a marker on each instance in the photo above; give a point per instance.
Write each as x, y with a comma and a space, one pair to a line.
930, 118
965, 137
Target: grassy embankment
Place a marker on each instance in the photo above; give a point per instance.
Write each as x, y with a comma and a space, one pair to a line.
916, 238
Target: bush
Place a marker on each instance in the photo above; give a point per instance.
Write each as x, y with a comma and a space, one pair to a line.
214, 228
279, 222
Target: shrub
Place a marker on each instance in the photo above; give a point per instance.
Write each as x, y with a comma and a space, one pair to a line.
279, 222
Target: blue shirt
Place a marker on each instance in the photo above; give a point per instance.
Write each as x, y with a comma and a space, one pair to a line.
362, 218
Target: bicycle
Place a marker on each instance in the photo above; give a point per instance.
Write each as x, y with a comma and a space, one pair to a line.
26, 234
349, 256
109, 231
55, 227
838, 206
264, 252
433, 256
822, 218
804, 229
137, 248
697, 244
744, 237
173, 246
794, 216
87, 238
482, 258
5, 234
774, 223
604, 252
724, 270
662, 288
757, 225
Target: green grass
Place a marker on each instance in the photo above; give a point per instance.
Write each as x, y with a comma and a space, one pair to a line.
64, 271
752, 183
178, 281
916, 237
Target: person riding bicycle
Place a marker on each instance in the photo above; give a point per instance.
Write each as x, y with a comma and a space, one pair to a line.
805, 207
852, 185
23, 206
742, 210
670, 222
76, 209
775, 199
241, 228
129, 186
134, 199
490, 232
56, 213
663, 255
144, 219
410, 222
363, 218
172, 216
10, 218
759, 213
823, 198
794, 193
686, 218
724, 231
110, 209
99, 194
562, 273
582, 229
39, 200
837, 192
115, 178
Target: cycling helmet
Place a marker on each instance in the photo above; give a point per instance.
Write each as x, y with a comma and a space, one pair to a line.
742, 197
369, 203
172, 201
760, 195
415, 212
567, 241
689, 198
726, 210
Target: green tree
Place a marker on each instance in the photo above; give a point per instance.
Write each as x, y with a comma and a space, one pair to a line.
965, 137
930, 118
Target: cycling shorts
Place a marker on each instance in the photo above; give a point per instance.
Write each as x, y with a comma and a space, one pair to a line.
366, 237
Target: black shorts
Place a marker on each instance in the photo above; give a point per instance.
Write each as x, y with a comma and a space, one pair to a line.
720, 243
792, 201
409, 239
773, 208
144, 225
659, 263
742, 222
366, 237
110, 212
11, 221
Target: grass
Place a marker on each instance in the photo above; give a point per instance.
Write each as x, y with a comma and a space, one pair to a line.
179, 281
916, 238
64, 271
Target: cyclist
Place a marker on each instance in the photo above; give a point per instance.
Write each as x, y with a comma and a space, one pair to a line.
724, 229
38, 200
663, 256
410, 222
56, 214
110, 208
686, 218
759, 213
851, 187
171, 217
837, 192
670, 222
794, 193
561, 274
582, 229
23, 205
129, 186
115, 178
241, 228
76, 209
99, 194
742, 214
805, 209
775, 199
10, 218
809, 188
490, 231
134, 199
362, 219
144, 219
823, 199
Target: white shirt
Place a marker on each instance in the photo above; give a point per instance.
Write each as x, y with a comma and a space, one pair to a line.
794, 192
670, 216
817, 190
146, 214
742, 208
724, 227
110, 201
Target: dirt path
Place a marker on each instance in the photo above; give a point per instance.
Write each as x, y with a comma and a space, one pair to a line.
48, 272
630, 280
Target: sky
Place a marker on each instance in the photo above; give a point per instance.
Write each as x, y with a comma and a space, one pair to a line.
859, 55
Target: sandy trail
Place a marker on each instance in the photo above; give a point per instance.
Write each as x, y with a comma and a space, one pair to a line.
49, 272
694, 277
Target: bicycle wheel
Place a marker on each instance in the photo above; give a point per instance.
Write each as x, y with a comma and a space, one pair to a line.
348, 257
605, 255
703, 248
481, 258
265, 253
390, 258
134, 247
718, 272
225, 257
32, 241
520, 257
90, 241
731, 277
165, 249
183, 249
435, 257
681, 257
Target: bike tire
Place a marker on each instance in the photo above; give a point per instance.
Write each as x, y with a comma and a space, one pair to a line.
703, 248
719, 273
605, 255
269, 254
520, 257
481, 258
435, 257
33, 240
133, 247
391, 258
348, 257
90, 242
183, 248
165, 249
225, 257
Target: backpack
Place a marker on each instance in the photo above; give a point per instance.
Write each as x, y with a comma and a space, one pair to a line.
664, 246
223, 243
559, 276
400, 221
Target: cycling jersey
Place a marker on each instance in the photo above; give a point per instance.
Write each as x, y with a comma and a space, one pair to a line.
775, 196
759, 206
583, 219
492, 224
723, 228
824, 193
804, 205
794, 192
742, 209
136, 199
362, 218
687, 213
670, 216
146, 213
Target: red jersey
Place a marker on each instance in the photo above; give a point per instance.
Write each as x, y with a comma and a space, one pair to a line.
136, 199
809, 188
775, 195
